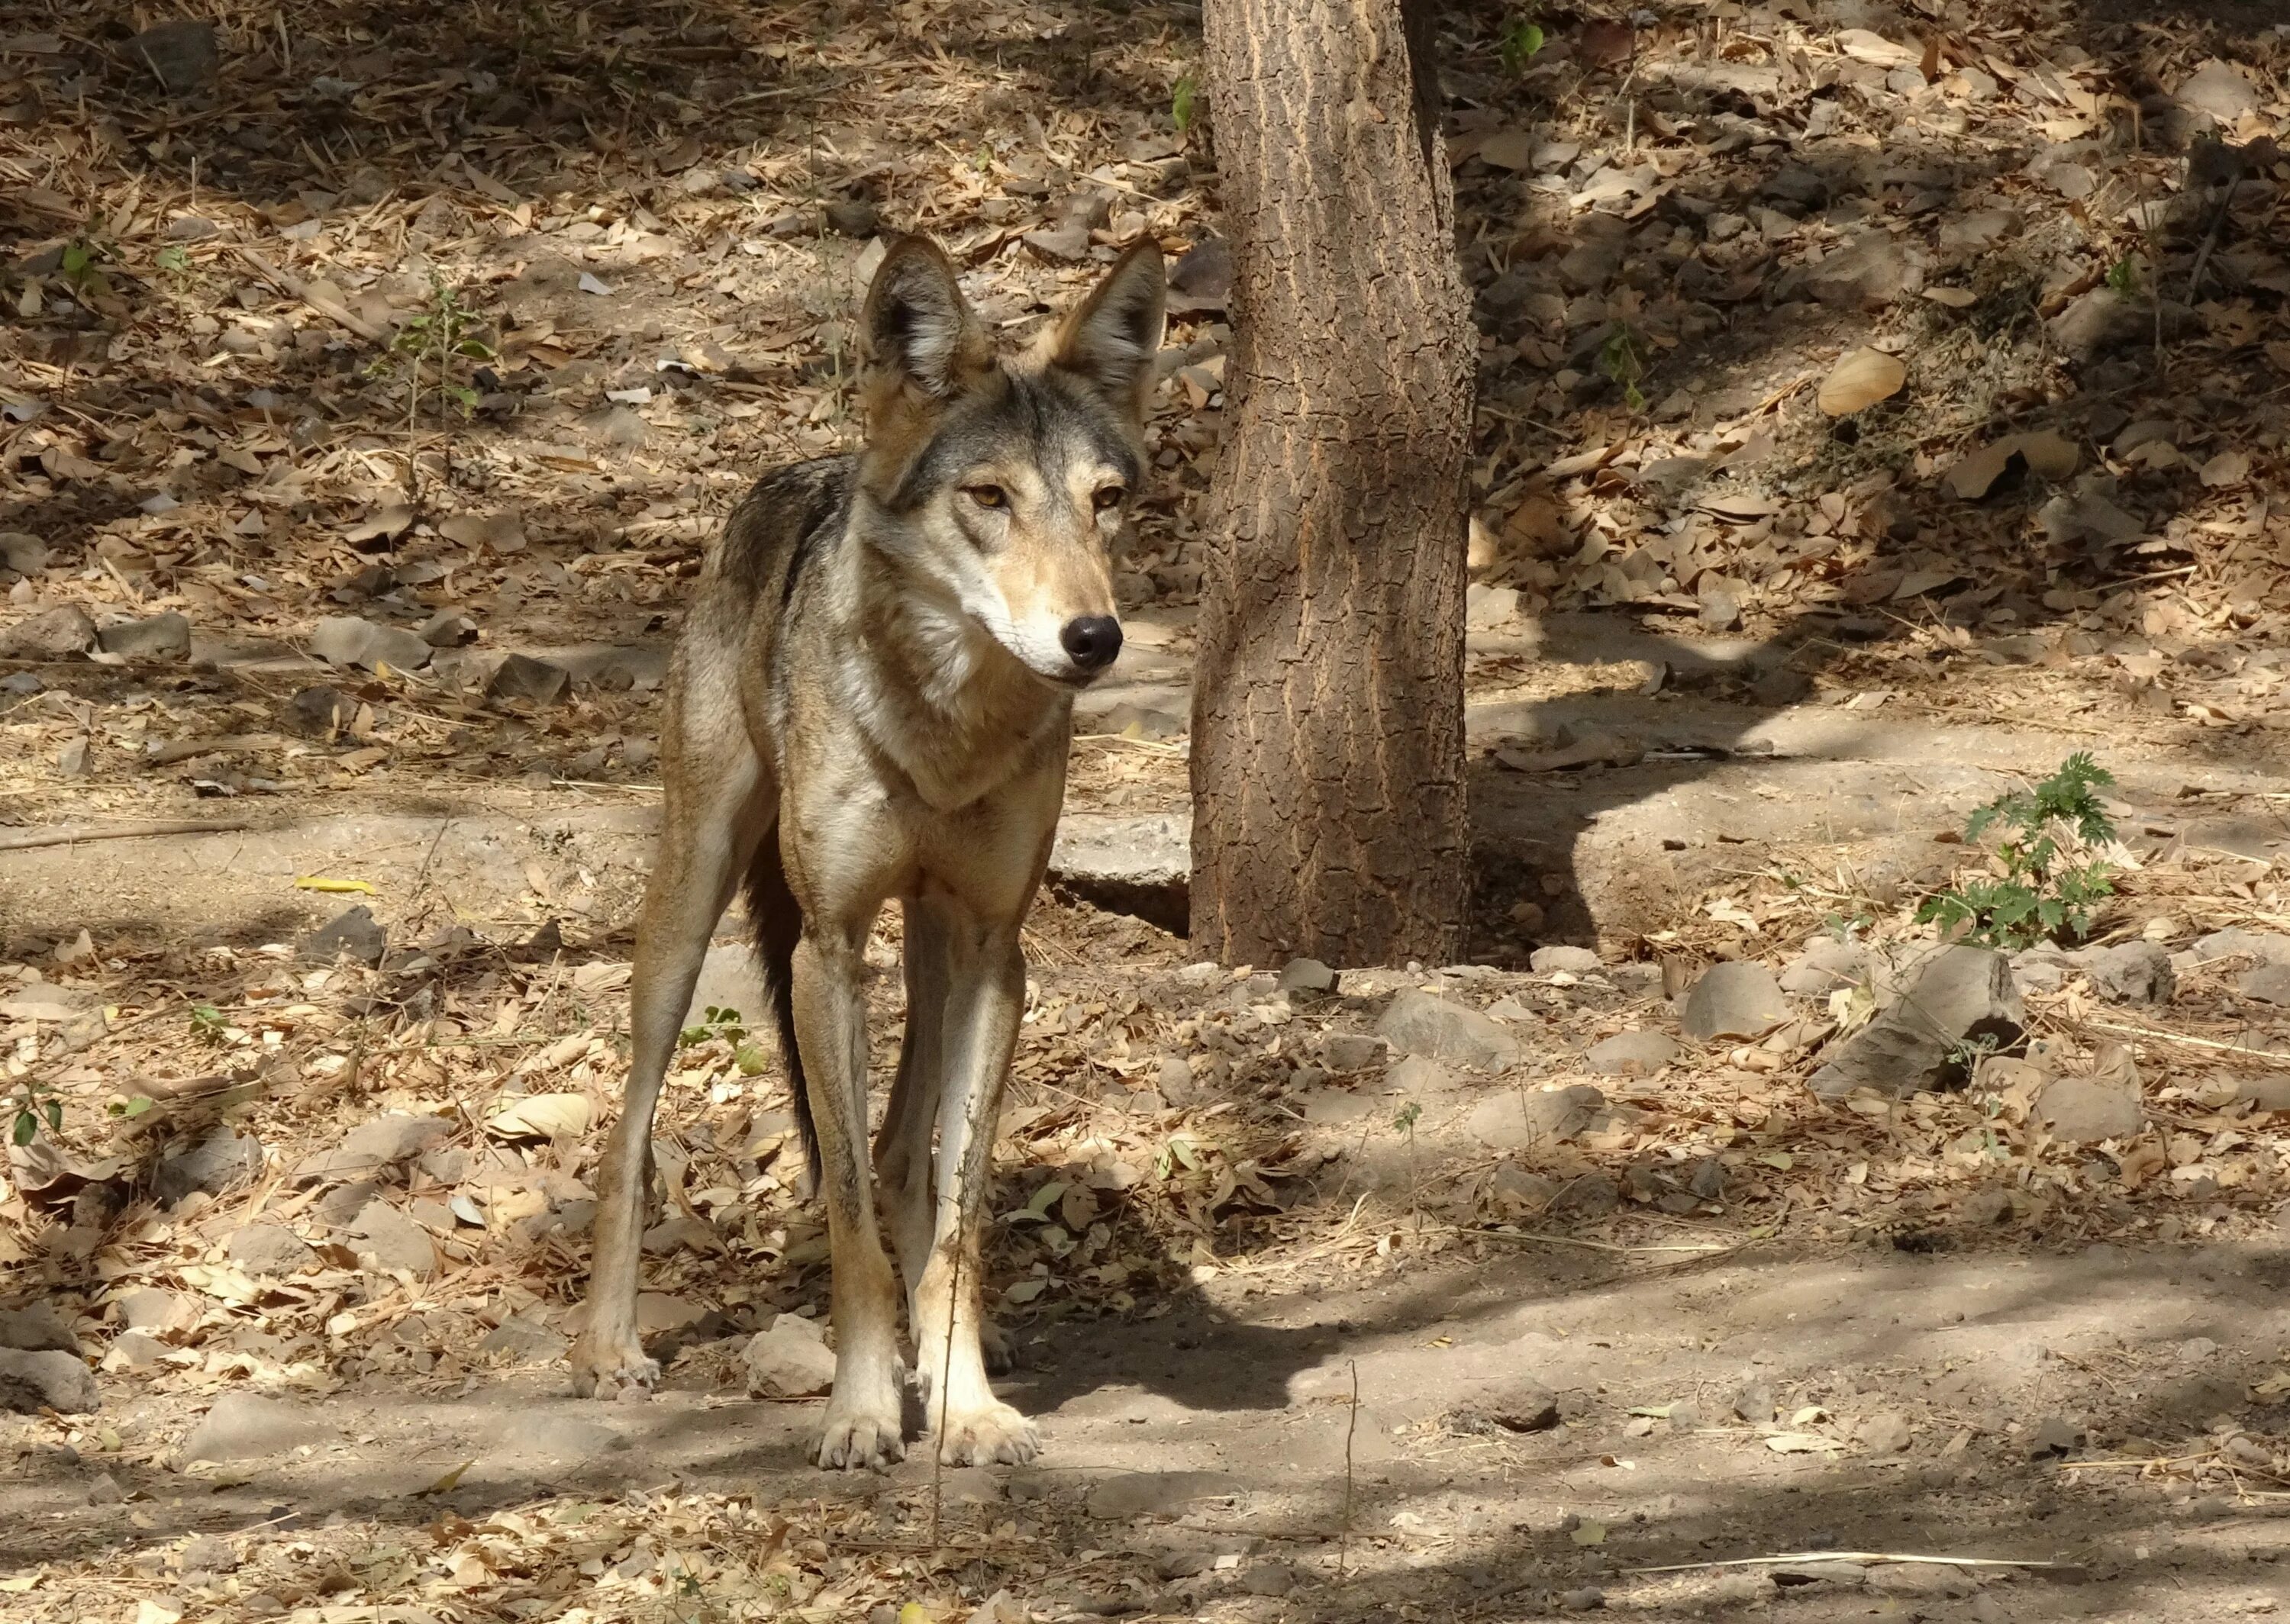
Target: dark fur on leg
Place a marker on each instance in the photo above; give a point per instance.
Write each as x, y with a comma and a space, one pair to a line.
778, 920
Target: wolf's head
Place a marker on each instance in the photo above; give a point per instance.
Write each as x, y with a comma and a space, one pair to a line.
1004, 481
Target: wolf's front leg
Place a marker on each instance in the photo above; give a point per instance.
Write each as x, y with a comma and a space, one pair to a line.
985, 999
864, 1419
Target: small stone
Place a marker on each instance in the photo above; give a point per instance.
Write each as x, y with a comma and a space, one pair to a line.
448, 628
1720, 611
105, 1490
1754, 1403
526, 1339
320, 711
54, 634
2220, 90
790, 1360
2263, 947
2267, 983
25, 555
2103, 320
51, 1378
1060, 244
245, 1426
1826, 964
1534, 1118
1735, 998
2132, 972
37, 1328
1867, 273
190, 228
1588, 1598
150, 1308
184, 55
161, 637
2084, 1110
536, 682
394, 1239
1307, 975
133, 1350
1631, 1054
1268, 1579
2054, 1435
1887, 1434
1166, 1494
2270, 1093
1204, 270
1561, 956
220, 1161
1420, 1023
270, 1249
852, 217
1352, 1051
207, 1554
1514, 1192
354, 931
73, 760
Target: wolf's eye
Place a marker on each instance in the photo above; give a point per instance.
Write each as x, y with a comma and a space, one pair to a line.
987, 496
1108, 496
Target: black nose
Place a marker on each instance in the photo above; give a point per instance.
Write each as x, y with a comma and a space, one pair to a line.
1093, 640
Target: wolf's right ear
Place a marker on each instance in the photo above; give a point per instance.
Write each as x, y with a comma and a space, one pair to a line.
917, 333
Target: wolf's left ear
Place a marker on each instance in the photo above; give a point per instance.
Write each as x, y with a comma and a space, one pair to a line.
1111, 337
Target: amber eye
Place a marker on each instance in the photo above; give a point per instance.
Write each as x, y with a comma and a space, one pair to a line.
987, 496
1109, 496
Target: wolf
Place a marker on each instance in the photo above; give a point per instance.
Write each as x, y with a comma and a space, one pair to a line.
872, 699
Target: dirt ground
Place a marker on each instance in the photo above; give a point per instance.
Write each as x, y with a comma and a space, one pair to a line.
384, 347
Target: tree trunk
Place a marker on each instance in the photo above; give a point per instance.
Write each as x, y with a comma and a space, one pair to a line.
1327, 742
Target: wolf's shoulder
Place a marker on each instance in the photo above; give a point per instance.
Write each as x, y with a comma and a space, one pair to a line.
784, 513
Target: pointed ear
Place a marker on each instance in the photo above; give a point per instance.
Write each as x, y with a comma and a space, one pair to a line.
1111, 337
917, 334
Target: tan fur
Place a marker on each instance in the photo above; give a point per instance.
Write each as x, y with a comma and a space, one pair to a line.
868, 703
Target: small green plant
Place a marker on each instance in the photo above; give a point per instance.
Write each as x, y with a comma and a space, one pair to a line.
1518, 40
34, 1103
175, 258
713, 1022
208, 1022
2123, 276
443, 334
2047, 888
1184, 103
1622, 359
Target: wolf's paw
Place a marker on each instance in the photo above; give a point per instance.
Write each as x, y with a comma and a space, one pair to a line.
860, 1436
993, 1435
601, 1369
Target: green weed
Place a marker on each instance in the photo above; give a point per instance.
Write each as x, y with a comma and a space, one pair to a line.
2044, 891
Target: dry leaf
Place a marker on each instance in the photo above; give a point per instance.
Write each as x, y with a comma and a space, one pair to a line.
541, 1117
2227, 469
1508, 149
1860, 380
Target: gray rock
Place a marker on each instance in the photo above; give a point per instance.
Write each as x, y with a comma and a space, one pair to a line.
1735, 998
160, 637
790, 1360
50, 1379
270, 1249
354, 931
1631, 1054
2086, 1110
536, 682
1582, 1598
525, 1339
1588, 266
52, 634
1136, 865
1418, 1074
1167, 1493
448, 628
375, 1146
338, 1206
184, 55
1307, 975
2220, 90
320, 711
1268, 1579
1561, 956
220, 1161
1421, 1023
1825, 965
731, 979
25, 555
1531, 1119
348, 640
1515, 1192
1204, 270
2267, 983
1351, 1050
1946, 1002
395, 1240
1061, 245
37, 1328
247, 1427
2131, 972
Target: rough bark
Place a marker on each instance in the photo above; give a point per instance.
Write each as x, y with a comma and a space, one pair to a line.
1328, 741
